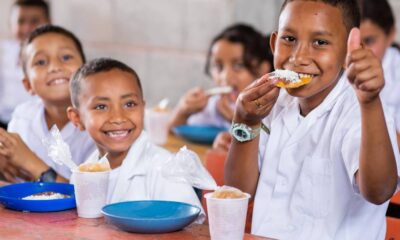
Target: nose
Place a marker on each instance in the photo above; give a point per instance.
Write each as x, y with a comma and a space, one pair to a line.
227, 76
301, 55
117, 116
55, 65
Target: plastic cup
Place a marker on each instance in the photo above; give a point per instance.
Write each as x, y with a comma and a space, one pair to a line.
156, 124
227, 217
90, 192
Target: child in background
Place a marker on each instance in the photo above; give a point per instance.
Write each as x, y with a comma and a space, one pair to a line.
49, 57
378, 32
236, 57
327, 167
25, 16
108, 102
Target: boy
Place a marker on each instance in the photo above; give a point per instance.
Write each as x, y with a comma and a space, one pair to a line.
327, 167
25, 16
49, 57
108, 102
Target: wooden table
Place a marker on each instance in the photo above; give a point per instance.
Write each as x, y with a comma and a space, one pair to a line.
174, 143
67, 225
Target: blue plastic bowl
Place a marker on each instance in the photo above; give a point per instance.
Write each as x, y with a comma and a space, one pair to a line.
11, 197
197, 133
150, 216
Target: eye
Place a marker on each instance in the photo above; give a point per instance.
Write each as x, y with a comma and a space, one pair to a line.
320, 42
288, 39
369, 41
216, 67
40, 62
100, 107
238, 66
130, 104
66, 57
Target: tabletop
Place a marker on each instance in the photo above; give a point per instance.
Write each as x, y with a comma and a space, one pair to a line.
67, 225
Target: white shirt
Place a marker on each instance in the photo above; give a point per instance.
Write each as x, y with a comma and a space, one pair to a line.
210, 115
390, 94
12, 91
306, 188
139, 177
29, 122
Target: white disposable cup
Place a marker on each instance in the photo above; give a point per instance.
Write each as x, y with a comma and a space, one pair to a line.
227, 217
156, 124
90, 192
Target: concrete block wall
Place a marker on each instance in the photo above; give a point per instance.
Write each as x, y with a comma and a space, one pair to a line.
164, 41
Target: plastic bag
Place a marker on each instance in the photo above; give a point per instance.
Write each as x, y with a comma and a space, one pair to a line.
58, 150
185, 166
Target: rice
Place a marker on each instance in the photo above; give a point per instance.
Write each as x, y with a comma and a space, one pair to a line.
45, 196
287, 75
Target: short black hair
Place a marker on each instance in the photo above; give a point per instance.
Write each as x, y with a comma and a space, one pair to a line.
256, 47
97, 66
378, 12
45, 29
350, 10
34, 3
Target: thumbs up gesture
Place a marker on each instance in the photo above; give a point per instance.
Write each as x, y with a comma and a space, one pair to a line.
363, 69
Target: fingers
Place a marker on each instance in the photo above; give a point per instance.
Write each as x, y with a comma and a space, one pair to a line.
222, 141
354, 41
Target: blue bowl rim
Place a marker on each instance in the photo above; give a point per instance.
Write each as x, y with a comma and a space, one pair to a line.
149, 219
5, 197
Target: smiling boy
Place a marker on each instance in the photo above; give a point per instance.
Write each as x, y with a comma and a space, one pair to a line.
108, 103
327, 167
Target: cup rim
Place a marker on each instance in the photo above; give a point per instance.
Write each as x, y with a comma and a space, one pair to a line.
208, 196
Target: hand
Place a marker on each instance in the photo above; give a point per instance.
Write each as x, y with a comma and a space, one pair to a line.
256, 101
11, 172
14, 149
193, 101
364, 69
222, 141
224, 107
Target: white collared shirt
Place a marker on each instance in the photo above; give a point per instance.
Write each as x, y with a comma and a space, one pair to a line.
29, 122
306, 188
139, 177
390, 93
12, 91
210, 115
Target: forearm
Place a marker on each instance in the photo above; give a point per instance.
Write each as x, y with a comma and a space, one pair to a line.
398, 140
178, 118
34, 165
241, 168
377, 174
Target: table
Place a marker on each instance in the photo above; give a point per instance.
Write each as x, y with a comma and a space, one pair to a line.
174, 143
67, 225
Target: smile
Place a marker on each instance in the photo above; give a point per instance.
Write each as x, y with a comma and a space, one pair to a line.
117, 134
58, 81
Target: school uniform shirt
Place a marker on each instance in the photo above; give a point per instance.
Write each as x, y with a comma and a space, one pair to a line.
210, 115
12, 91
29, 122
140, 178
307, 188
390, 93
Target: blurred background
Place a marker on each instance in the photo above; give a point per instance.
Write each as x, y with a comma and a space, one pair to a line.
164, 41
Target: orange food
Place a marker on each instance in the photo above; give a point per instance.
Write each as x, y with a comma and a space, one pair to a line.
288, 84
94, 167
228, 194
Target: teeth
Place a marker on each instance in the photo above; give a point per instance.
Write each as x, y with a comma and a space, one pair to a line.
117, 134
303, 75
58, 81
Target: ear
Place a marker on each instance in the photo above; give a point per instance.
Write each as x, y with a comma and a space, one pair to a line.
272, 41
75, 118
28, 86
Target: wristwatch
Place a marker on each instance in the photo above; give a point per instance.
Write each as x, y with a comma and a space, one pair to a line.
244, 133
48, 176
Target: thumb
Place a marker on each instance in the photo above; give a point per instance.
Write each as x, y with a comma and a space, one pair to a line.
353, 43
354, 40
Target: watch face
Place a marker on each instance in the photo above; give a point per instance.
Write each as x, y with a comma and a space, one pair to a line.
242, 134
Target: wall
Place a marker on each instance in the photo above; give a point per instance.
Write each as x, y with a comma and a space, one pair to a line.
165, 41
